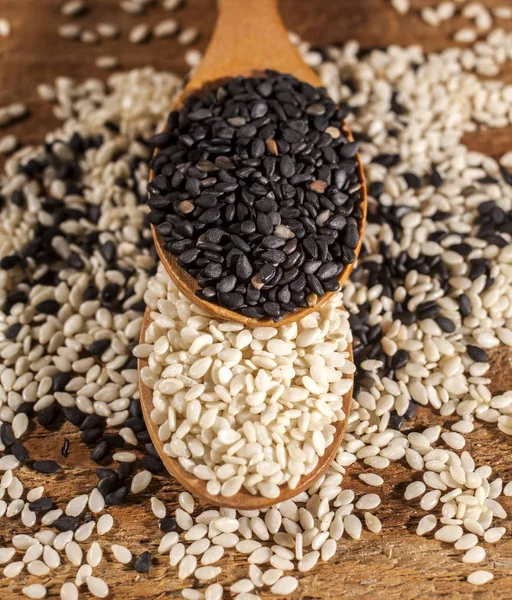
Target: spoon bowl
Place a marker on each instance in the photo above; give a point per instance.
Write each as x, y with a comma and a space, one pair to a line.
243, 500
249, 37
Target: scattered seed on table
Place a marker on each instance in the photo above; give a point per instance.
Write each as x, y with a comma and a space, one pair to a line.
107, 62
89, 37
73, 8
143, 563
35, 590
68, 591
480, 577
188, 36
166, 28
46, 466
97, 587
139, 34
121, 554
5, 28
172, 4
107, 30
132, 7
8, 144
70, 31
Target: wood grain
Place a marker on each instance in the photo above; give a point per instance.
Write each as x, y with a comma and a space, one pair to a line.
394, 565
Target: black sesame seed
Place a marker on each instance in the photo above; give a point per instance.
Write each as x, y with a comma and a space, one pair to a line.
46, 416
411, 411
476, 353
447, 325
20, 452
117, 496
125, 470
168, 524
152, 464
46, 466
12, 331
464, 305
9, 262
66, 523
41, 505
6, 434
100, 450
395, 421
98, 347
89, 436
114, 440
65, 448
91, 422
143, 563
399, 359
26, 408
48, 307
108, 484
72, 414
108, 251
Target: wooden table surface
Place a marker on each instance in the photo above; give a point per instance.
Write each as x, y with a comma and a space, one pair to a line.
395, 564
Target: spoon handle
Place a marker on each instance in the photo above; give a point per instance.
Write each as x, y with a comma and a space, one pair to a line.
249, 37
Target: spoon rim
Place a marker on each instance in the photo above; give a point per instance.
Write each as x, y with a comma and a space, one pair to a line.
242, 500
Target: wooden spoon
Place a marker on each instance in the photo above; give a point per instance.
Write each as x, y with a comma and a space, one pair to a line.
243, 500
249, 37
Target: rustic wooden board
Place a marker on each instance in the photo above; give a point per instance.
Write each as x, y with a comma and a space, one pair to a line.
395, 564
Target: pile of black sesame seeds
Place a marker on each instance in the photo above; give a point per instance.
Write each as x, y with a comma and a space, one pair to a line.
256, 190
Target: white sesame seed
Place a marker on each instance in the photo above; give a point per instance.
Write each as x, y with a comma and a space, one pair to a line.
285, 585
474, 555
158, 508
13, 569
94, 554
107, 62
5, 28
426, 524
480, 577
74, 553
188, 36
35, 590
187, 503
6, 554
73, 8
166, 28
371, 479
449, 533
172, 4
139, 34
121, 554
372, 523
68, 591
84, 531
76, 506
97, 587
104, 524
107, 30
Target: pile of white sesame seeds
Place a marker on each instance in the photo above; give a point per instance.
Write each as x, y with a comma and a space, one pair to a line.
240, 407
431, 296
